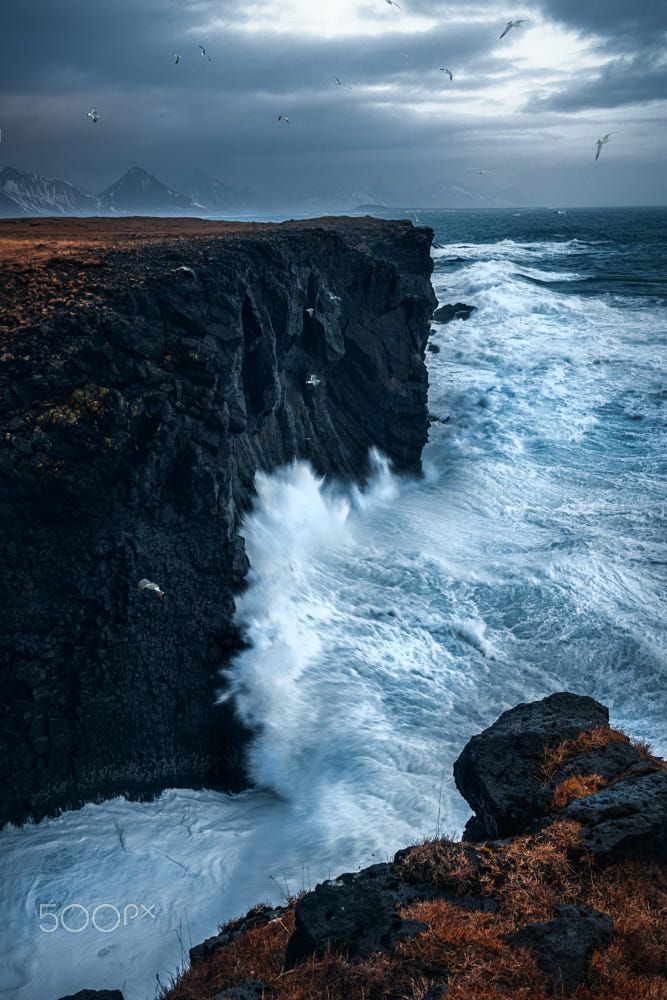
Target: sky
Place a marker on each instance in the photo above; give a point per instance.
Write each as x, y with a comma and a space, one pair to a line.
516, 126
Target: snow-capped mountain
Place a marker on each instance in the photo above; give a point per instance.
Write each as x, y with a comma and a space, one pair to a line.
138, 192
216, 196
28, 194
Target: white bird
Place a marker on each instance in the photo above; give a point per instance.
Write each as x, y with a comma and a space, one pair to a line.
204, 53
341, 83
149, 585
443, 69
186, 269
177, 58
602, 142
310, 312
392, 3
513, 24
94, 115
313, 381
283, 118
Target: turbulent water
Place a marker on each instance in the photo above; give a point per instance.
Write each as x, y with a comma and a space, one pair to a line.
389, 624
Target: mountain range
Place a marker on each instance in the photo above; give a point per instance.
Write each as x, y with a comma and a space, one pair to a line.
137, 192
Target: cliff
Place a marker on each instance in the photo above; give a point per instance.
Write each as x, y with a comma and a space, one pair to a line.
569, 900
148, 369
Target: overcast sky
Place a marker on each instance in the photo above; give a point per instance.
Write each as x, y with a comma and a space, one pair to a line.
527, 108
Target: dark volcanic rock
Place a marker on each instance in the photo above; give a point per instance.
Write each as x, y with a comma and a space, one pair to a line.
137, 402
627, 818
252, 990
94, 995
448, 312
354, 917
499, 771
563, 947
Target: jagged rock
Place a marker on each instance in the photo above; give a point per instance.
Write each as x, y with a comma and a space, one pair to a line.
448, 312
353, 914
434, 349
252, 990
563, 947
627, 818
94, 995
257, 917
499, 772
139, 403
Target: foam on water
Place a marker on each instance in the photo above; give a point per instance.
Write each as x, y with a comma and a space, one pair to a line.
389, 624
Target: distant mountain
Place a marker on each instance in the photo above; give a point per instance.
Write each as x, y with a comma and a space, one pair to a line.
140, 193
27, 194
215, 195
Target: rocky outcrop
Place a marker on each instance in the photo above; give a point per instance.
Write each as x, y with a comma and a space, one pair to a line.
533, 914
450, 311
148, 369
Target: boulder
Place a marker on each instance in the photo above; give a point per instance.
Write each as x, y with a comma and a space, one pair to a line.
94, 995
563, 947
252, 990
448, 312
627, 818
499, 772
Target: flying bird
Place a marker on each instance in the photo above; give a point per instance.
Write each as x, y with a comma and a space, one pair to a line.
149, 585
443, 69
341, 83
283, 118
313, 381
602, 142
513, 24
310, 312
94, 115
177, 58
187, 270
204, 53
392, 3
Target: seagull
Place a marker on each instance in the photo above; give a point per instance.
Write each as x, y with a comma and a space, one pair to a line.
204, 53
476, 171
602, 142
443, 69
392, 3
149, 585
313, 381
341, 83
94, 115
177, 58
283, 118
513, 24
187, 270
310, 312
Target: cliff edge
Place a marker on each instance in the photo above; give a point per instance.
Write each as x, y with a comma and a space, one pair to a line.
148, 369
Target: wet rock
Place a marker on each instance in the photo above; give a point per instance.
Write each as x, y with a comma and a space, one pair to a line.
499, 772
434, 349
447, 313
563, 947
94, 995
627, 818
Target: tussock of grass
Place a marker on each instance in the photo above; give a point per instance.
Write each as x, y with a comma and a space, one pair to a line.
576, 787
592, 739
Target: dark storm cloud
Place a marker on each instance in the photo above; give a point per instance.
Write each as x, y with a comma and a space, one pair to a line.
400, 129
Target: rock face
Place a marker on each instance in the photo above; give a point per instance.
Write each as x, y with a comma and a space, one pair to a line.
563, 946
500, 771
148, 369
448, 312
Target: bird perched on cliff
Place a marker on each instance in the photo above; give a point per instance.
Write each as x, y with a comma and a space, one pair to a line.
602, 142
94, 115
443, 69
149, 585
186, 270
283, 118
313, 381
513, 24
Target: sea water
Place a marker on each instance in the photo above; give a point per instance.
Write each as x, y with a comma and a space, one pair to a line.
390, 623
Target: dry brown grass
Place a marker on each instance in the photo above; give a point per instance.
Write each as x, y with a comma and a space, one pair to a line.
576, 787
592, 739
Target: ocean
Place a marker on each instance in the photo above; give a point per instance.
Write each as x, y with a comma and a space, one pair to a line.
390, 623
